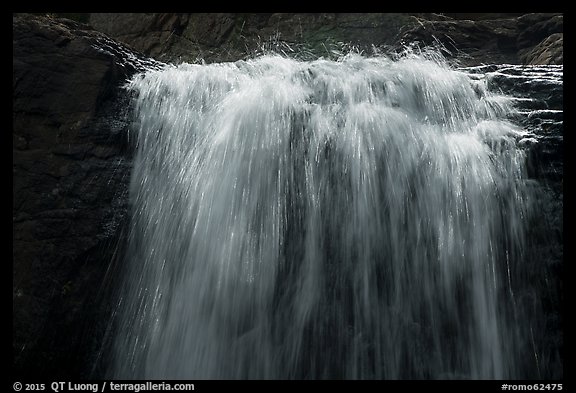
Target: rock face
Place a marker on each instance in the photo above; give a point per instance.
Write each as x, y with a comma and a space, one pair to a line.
71, 168
517, 40
216, 37
213, 37
549, 51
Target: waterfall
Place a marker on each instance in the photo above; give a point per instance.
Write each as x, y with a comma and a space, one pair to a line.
363, 218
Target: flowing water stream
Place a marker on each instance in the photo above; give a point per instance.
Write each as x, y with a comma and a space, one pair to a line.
361, 218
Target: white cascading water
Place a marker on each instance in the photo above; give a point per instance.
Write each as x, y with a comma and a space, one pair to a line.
322, 219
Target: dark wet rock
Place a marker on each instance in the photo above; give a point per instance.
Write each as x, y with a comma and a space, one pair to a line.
470, 38
533, 28
214, 37
71, 167
549, 51
539, 90
525, 39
